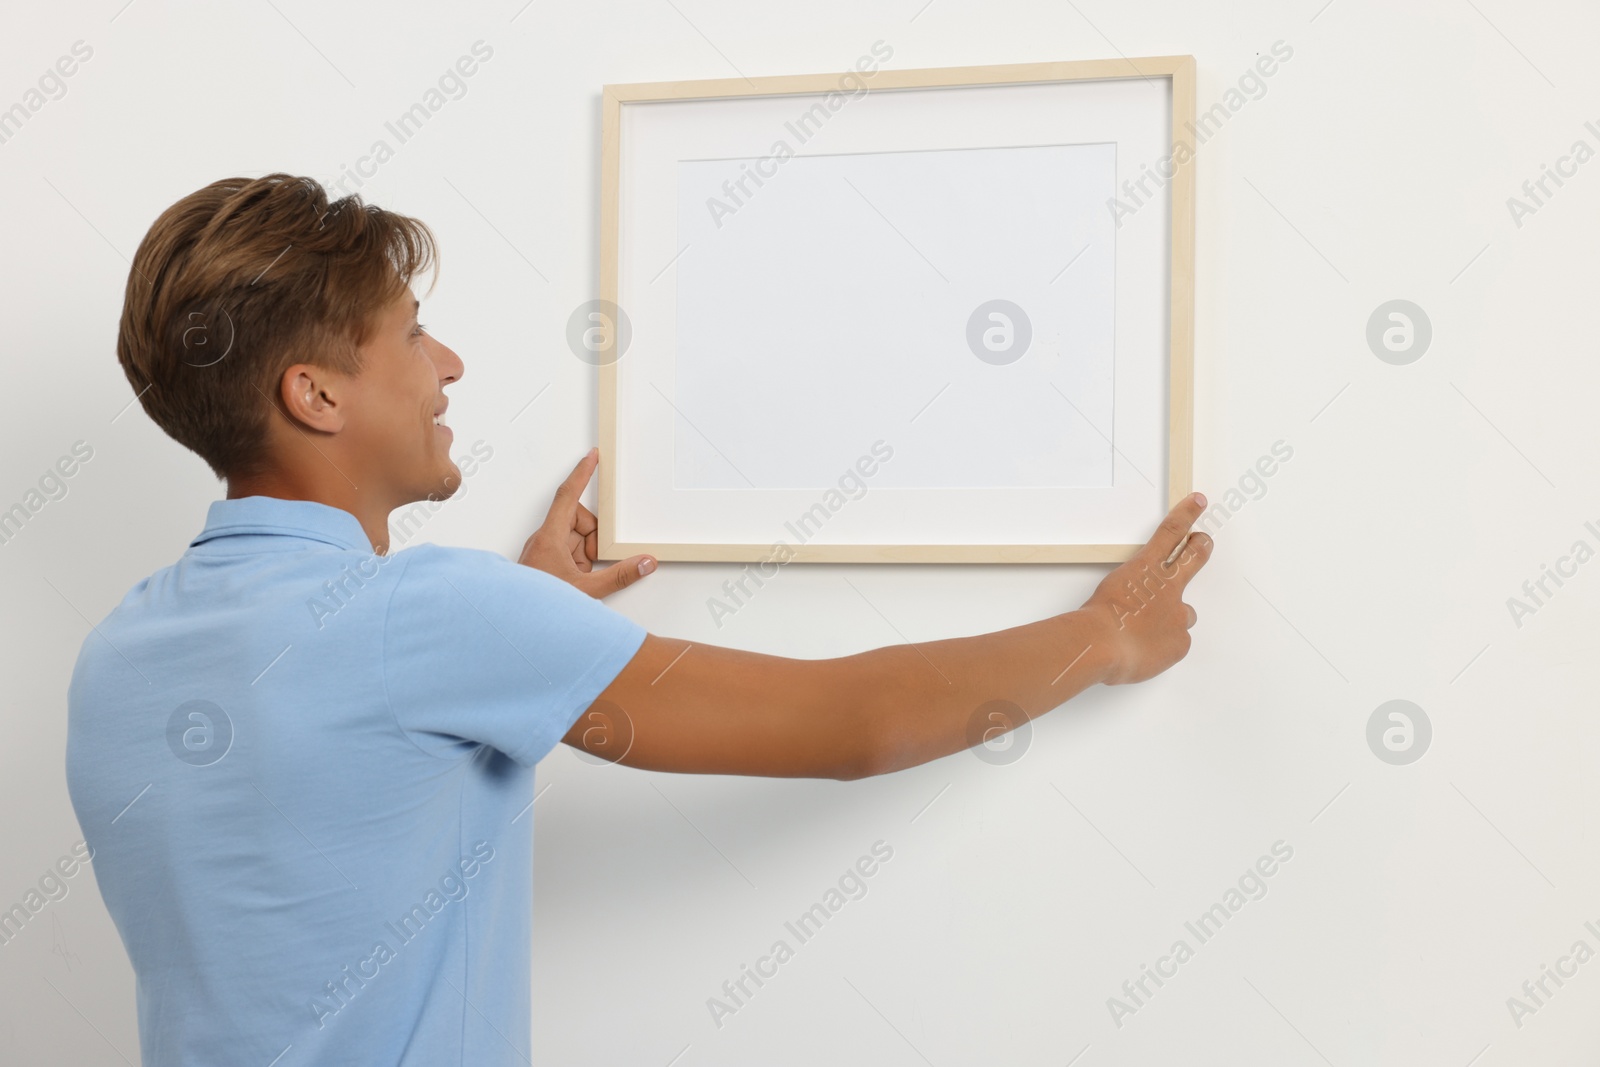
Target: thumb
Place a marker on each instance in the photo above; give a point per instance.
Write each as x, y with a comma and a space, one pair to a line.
602, 583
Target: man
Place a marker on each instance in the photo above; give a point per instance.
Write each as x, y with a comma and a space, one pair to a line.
305, 764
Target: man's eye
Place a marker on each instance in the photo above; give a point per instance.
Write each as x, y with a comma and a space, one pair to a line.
420, 329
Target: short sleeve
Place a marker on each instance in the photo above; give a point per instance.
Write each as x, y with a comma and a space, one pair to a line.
480, 650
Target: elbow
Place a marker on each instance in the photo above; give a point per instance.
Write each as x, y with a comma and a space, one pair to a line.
861, 721
861, 698
863, 757
855, 771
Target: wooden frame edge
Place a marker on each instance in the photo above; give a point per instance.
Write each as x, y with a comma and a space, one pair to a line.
1180, 270
920, 78
810, 553
610, 204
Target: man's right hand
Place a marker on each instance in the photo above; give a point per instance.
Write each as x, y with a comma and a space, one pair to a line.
1140, 604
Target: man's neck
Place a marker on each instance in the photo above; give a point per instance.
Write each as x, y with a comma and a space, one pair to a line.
372, 515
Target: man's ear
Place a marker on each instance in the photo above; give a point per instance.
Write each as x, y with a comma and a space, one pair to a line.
311, 395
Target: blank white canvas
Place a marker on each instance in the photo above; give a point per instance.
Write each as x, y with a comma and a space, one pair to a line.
828, 307
744, 396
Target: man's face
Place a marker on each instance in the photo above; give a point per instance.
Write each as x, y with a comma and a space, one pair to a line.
398, 395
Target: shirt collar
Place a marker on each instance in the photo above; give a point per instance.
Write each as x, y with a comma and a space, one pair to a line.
306, 519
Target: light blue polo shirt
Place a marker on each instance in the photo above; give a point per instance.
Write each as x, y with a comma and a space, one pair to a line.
306, 774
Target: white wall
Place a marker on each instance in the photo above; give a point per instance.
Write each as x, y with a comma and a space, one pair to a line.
1377, 565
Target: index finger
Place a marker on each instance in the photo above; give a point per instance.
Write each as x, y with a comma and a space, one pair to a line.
564, 507
1175, 526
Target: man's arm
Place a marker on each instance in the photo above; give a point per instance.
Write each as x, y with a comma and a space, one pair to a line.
711, 710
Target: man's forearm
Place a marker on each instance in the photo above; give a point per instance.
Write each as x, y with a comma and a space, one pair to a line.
921, 699
711, 710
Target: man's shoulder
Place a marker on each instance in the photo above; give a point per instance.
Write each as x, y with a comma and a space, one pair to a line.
113, 632
435, 565
128, 607
432, 565
453, 588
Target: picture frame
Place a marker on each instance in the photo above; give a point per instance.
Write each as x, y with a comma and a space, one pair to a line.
800, 324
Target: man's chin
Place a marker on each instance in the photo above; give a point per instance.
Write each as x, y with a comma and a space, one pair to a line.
446, 486
450, 485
